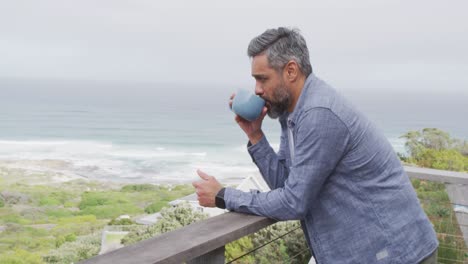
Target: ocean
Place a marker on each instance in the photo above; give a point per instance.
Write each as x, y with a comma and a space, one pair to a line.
163, 133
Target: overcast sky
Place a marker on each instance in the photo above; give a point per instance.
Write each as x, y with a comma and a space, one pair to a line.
359, 44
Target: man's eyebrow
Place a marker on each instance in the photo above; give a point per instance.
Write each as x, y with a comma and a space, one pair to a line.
256, 76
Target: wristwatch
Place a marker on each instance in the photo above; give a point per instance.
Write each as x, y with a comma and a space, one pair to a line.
219, 199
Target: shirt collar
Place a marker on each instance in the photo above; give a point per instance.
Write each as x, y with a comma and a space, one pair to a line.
308, 84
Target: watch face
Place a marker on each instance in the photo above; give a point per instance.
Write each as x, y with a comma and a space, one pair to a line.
219, 201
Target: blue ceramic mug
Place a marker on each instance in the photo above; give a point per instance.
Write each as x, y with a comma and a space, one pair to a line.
247, 105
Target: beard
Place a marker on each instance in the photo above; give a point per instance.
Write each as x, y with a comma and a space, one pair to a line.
280, 101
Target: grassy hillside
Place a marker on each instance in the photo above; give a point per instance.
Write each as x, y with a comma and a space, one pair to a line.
58, 221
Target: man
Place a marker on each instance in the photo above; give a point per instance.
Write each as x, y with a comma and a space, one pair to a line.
334, 171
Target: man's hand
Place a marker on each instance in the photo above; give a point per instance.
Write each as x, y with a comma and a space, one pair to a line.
253, 129
206, 189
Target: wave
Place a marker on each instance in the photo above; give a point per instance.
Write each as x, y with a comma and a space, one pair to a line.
65, 148
103, 160
120, 162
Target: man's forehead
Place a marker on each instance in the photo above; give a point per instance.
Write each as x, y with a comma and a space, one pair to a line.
260, 60
260, 65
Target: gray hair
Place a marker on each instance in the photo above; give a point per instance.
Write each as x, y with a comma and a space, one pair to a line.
282, 45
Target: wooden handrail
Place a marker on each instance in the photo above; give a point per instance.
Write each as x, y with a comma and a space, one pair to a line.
437, 175
188, 242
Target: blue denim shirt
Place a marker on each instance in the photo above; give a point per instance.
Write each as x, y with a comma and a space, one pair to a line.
339, 175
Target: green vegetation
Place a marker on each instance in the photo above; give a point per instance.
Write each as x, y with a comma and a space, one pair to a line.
140, 188
63, 222
108, 204
436, 204
21, 256
124, 221
172, 218
155, 207
83, 248
291, 247
433, 148
238, 249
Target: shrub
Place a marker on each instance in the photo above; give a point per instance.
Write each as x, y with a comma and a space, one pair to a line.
14, 197
94, 199
438, 210
36, 215
59, 213
77, 219
124, 221
171, 218
46, 201
140, 188
155, 207
238, 248
107, 204
433, 148
291, 245
20, 256
416, 183
71, 252
62, 239
14, 217
20, 237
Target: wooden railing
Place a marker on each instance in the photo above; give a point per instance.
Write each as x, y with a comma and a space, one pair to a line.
437, 175
204, 241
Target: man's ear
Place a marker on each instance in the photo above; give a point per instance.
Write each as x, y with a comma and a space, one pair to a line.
291, 71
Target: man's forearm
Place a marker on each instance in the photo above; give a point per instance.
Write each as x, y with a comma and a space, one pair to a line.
273, 170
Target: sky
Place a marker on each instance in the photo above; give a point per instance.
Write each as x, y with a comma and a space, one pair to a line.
365, 45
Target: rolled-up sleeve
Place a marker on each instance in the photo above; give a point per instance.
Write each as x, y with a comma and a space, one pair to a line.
320, 143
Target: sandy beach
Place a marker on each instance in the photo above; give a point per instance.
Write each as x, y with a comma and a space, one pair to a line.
37, 172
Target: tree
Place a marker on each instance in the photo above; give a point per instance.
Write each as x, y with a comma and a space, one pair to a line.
461, 146
437, 139
431, 138
434, 148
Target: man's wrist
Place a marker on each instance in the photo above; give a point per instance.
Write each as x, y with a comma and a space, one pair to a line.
256, 137
219, 199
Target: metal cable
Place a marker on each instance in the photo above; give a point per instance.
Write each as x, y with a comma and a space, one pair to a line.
255, 249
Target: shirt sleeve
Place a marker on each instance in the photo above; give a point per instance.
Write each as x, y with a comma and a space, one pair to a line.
272, 166
321, 142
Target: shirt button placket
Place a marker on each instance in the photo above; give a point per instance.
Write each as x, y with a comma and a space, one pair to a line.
291, 138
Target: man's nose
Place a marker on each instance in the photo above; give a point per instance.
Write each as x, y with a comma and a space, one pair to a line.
258, 90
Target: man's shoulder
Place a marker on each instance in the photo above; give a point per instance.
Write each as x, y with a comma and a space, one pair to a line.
319, 94
320, 98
